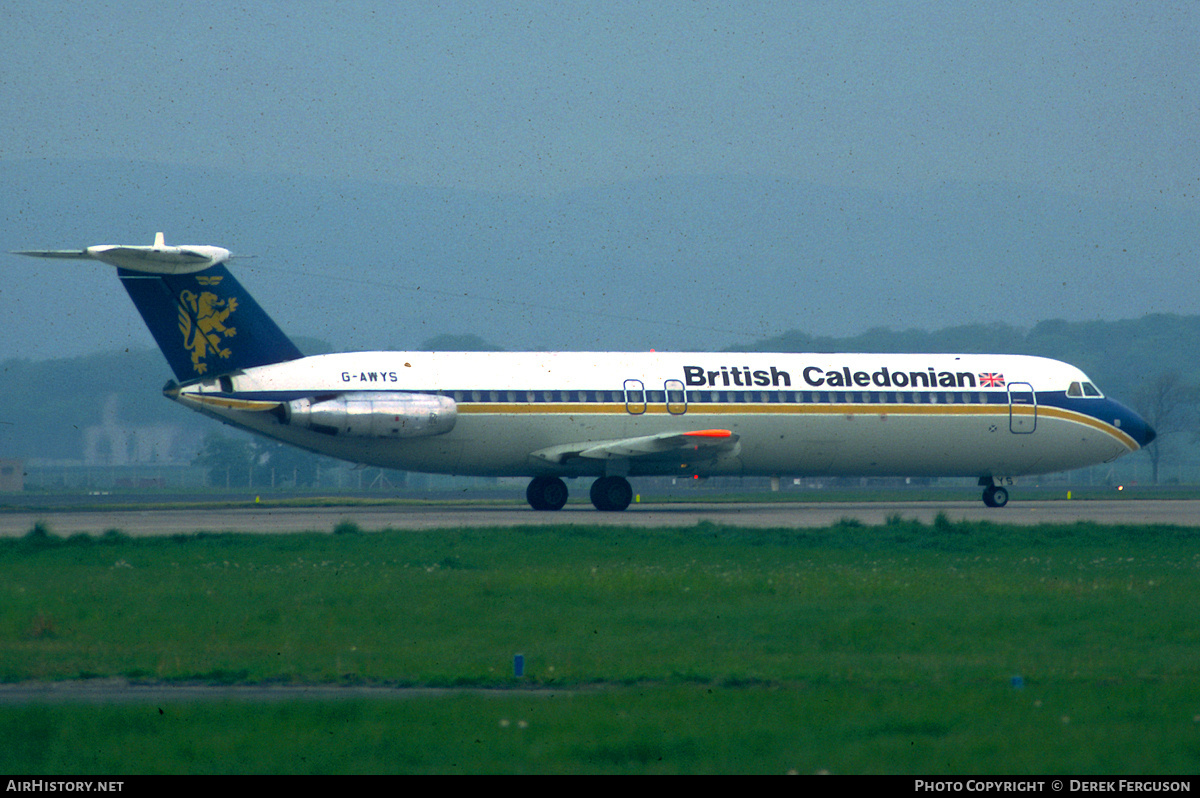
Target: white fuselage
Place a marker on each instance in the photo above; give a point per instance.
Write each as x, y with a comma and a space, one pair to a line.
793, 414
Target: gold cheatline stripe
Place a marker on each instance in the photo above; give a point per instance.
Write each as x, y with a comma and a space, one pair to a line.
1095, 423
232, 404
698, 409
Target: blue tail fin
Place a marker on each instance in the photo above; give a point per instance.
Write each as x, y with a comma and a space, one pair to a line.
205, 323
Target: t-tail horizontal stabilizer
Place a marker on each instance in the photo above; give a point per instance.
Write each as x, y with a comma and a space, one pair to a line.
158, 258
203, 320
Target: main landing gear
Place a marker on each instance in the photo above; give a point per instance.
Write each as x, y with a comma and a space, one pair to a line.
546, 493
611, 494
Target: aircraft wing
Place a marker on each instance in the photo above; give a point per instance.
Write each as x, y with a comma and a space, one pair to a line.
709, 440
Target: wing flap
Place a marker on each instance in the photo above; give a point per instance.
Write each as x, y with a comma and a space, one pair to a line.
714, 440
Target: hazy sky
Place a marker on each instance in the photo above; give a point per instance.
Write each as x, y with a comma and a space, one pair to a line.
1095, 102
1096, 98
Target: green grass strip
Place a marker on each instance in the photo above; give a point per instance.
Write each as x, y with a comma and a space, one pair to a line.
906, 647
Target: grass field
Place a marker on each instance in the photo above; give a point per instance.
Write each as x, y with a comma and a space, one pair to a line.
903, 648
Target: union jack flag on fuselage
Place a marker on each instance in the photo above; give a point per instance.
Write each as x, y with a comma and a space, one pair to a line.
991, 380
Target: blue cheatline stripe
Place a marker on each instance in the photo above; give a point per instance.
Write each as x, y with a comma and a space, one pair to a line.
694, 399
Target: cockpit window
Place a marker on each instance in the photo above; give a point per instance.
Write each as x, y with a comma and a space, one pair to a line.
1083, 389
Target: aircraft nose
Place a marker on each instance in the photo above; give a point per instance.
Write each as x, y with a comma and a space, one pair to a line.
1132, 424
1148, 434
1138, 428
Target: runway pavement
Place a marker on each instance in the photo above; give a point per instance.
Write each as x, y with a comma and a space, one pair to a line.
422, 517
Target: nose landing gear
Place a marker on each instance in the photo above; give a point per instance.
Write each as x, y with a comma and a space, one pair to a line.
995, 496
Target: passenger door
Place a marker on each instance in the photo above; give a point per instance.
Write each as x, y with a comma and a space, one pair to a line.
1022, 408
635, 397
676, 397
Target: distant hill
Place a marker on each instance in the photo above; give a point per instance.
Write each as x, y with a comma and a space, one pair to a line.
1119, 355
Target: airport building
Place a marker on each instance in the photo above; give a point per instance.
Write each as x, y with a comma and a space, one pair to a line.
12, 476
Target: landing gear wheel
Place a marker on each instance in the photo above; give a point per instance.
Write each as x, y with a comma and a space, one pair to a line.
546, 493
995, 496
611, 493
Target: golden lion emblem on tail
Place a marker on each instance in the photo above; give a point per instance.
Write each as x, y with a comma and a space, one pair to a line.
202, 321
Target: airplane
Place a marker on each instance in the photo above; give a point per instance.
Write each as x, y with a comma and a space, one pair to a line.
614, 415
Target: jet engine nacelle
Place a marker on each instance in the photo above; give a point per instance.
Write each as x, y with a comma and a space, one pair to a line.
375, 415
